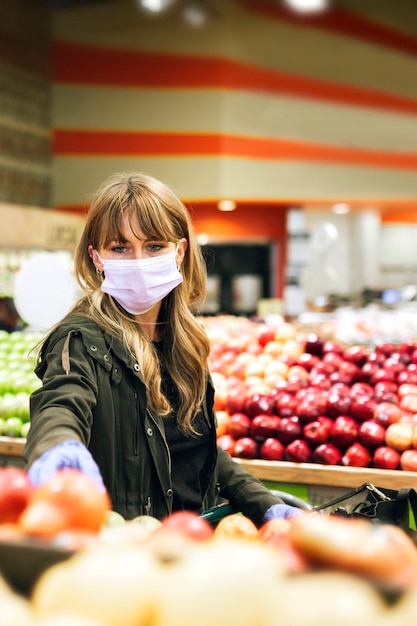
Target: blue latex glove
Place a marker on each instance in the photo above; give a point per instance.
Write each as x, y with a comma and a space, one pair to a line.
69, 454
281, 511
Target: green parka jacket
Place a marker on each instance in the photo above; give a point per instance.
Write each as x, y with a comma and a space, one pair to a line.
93, 393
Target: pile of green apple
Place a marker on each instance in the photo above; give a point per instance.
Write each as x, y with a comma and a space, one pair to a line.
17, 381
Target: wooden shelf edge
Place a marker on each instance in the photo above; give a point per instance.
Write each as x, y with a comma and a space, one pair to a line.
10, 446
327, 475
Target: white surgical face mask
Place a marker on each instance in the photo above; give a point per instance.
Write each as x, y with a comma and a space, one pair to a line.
139, 284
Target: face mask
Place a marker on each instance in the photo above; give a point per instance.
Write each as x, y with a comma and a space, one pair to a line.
139, 284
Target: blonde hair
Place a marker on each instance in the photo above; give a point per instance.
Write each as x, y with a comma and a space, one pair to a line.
161, 216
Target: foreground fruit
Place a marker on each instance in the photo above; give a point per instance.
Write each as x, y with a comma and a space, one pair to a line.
68, 500
381, 552
15, 491
313, 570
236, 526
188, 523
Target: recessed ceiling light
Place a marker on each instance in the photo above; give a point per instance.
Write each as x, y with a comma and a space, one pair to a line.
226, 205
340, 208
155, 6
203, 239
307, 6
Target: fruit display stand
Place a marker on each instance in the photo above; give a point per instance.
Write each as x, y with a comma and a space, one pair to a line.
318, 484
11, 451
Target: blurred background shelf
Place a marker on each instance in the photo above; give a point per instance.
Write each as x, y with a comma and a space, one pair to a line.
327, 475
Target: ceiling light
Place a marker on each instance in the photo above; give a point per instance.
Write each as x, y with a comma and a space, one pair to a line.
307, 6
203, 239
155, 6
226, 205
340, 208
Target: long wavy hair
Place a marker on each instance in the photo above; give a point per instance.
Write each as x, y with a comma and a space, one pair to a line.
185, 346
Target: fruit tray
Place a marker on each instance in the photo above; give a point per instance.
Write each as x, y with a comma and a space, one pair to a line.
23, 561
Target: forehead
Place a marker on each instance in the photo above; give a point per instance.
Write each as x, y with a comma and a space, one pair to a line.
128, 229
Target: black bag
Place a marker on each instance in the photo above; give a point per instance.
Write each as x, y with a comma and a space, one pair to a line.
386, 506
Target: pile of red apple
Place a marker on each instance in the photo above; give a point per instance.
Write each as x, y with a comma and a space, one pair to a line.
282, 396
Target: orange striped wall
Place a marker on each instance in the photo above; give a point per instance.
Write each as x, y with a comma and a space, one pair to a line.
311, 111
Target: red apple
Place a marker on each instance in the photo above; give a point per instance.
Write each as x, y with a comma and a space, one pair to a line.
246, 448
371, 434
343, 431
408, 460
368, 371
288, 359
377, 357
239, 425
351, 370
227, 443
382, 386
387, 413
356, 354
15, 490
235, 400
342, 377
286, 404
386, 348
272, 450
307, 360
332, 360
298, 451
356, 456
361, 390
338, 404
264, 426
316, 433
340, 389
327, 454
188, 523
295, 383
314, 344
259, 403
332, 346
289, 429
313, 402
319, 381
408, 376
407, 347
386, 458
383, 374
265, 333
394, 364
363, 408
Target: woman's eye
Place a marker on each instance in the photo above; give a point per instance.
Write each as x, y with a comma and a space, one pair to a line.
118, 249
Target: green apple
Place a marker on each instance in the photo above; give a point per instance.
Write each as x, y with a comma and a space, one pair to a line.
9, 405
13, 427
3, 427
25, 430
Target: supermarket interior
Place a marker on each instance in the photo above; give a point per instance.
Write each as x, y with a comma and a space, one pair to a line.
288, 130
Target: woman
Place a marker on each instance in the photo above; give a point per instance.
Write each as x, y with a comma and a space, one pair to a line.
126, 394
